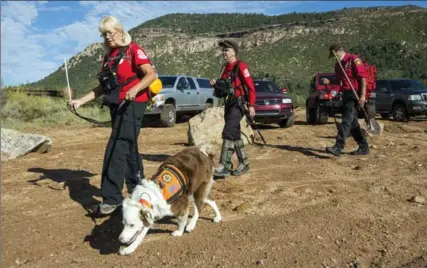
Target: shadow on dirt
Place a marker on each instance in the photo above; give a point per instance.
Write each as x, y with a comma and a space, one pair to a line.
77, 182
304, 123
306, 151
327, 137
105, 236
154, 157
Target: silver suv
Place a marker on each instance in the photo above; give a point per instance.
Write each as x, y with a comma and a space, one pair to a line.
181, 95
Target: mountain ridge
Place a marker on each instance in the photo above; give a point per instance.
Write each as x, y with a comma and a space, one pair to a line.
290, 51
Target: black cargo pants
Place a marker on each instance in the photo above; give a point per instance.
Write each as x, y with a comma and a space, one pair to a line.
233, 114
121, 153
350, 121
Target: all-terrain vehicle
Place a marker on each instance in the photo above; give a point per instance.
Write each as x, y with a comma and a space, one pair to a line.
325, 100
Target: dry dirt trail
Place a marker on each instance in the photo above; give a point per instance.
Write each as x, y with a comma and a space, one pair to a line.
298, 206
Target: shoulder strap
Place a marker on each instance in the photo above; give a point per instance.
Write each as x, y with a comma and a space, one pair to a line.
222, 69
236, 71
119, 56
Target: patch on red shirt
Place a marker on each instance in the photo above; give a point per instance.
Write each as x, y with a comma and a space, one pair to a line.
246, 73
142, 55
357, 61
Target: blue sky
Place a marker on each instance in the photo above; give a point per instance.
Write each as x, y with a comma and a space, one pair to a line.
36, 36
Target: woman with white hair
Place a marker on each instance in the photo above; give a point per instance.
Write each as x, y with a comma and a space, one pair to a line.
125, 76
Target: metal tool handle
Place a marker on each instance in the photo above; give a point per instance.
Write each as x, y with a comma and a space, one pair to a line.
68, 81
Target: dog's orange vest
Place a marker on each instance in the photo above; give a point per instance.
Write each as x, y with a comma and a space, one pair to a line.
171, 181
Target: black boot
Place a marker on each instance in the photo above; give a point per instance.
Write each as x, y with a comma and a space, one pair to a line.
224, 166
243, 166
335, 150
362, 150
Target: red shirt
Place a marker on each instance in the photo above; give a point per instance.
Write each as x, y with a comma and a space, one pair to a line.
133, 58
354, 69
237, 84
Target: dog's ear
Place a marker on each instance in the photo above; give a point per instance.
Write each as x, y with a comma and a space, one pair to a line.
147, 217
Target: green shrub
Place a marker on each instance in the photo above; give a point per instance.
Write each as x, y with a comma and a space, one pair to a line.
22, 111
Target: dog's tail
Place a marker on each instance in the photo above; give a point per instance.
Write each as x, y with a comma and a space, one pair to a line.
207, 149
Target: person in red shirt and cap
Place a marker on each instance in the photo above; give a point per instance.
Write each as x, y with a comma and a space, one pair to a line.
125, 77
237, 87
356, 73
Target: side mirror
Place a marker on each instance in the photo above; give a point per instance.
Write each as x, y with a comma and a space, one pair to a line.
284, 90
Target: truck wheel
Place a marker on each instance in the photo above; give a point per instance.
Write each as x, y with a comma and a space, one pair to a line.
321, 116
385, 115
399, 113
371, 110
168, 115
288, 122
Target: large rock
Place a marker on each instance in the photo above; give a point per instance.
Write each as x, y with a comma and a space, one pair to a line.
207, 127
15, 144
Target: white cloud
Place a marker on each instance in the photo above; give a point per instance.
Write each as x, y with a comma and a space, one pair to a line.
22, 12
21, 55
55, 9
30, 56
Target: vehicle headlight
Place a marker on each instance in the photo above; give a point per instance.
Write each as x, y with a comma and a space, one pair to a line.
159, 98
334, 93
286, 101
415, 97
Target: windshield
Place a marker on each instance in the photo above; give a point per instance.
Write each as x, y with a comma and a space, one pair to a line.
332, 79
168, 81
407, 84
264, 86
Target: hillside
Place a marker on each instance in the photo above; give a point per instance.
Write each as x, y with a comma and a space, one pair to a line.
291, 48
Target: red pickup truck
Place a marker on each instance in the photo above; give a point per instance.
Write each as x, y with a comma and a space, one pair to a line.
325, 100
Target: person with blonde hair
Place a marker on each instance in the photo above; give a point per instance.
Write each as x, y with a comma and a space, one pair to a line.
125, 76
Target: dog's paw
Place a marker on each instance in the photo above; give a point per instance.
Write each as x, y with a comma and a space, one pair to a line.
126, 251
176, 233
190, 227
217, 219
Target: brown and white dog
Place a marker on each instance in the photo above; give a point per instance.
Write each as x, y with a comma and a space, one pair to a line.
148, 203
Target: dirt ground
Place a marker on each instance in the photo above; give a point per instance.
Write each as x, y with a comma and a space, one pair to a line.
298, 206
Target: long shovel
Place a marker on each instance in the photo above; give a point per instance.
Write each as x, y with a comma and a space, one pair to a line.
372, 125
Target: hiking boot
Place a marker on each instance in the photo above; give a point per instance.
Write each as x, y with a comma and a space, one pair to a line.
335, 150
106, 209
221, 171
241, 169
362, 150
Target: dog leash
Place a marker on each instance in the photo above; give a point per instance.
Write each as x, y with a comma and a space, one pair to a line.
138, 163
90, 120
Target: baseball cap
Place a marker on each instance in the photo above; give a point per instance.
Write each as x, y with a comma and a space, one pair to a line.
334, 47
229, 44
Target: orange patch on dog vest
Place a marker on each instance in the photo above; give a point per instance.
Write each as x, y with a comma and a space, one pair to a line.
171, 182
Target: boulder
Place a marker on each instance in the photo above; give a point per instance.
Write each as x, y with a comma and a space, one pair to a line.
15, 144
207, 127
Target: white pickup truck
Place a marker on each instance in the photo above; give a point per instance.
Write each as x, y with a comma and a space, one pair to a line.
181, 95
